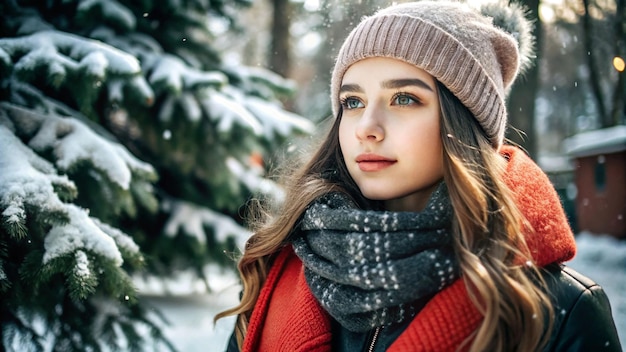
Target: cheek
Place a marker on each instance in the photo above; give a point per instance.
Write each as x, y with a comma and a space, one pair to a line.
429, 132
423, 141
345, 132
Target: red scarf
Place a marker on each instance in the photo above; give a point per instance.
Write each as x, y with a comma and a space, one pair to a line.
288, 318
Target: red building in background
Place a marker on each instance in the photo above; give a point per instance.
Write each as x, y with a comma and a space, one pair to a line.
599, 159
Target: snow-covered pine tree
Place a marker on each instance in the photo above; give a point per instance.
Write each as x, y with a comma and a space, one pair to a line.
126, 143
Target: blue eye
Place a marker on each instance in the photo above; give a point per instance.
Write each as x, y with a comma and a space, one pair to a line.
351, 103
404, 99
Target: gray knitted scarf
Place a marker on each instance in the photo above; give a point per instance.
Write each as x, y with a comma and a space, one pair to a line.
374, 268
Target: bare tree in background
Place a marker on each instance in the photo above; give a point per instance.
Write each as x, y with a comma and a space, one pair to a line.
604, 33
521, 104
279, 59
619, 95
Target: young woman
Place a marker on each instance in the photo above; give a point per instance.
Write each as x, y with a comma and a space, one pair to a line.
413, 228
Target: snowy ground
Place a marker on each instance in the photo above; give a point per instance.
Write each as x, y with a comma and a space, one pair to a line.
190, 311
191, 314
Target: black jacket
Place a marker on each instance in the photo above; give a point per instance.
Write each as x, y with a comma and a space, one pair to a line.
583, 320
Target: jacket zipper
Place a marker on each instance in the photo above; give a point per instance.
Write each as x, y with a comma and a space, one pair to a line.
374, 339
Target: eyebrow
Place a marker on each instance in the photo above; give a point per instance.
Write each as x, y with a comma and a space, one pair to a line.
389, 84
399, 83
354, 88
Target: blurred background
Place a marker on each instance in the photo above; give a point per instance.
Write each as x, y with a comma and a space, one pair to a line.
134, 132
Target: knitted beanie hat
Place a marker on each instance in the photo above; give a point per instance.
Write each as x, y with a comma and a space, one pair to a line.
475, 53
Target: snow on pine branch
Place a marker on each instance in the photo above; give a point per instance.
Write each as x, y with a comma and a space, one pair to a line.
72, 142
253, 180
226, 107
27, 181
227, 110
58, 52
256, 91
175, 75
277, 121
210, 93
128, 248
164, 71
258, 81
49, 45
81, 269
193, 219
81, 233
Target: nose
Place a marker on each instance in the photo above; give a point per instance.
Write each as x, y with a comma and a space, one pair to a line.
370, 127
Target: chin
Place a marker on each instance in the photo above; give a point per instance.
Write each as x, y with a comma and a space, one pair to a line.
377, 195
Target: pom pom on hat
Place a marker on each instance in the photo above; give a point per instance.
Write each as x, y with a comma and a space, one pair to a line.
475, 53
511, 18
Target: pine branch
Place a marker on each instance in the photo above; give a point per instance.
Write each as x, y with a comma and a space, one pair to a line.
80, 65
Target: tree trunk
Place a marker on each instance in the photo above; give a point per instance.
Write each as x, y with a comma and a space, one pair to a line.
521, 104
279, 58
594, 75
618, 110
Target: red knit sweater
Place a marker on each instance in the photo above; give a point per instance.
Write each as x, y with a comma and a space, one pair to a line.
288, 318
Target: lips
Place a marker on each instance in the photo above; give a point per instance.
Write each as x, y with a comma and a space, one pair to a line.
373, 162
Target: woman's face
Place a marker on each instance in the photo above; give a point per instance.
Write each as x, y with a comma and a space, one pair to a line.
389, 132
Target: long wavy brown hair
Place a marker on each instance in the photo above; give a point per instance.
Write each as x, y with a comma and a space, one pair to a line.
488, 227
